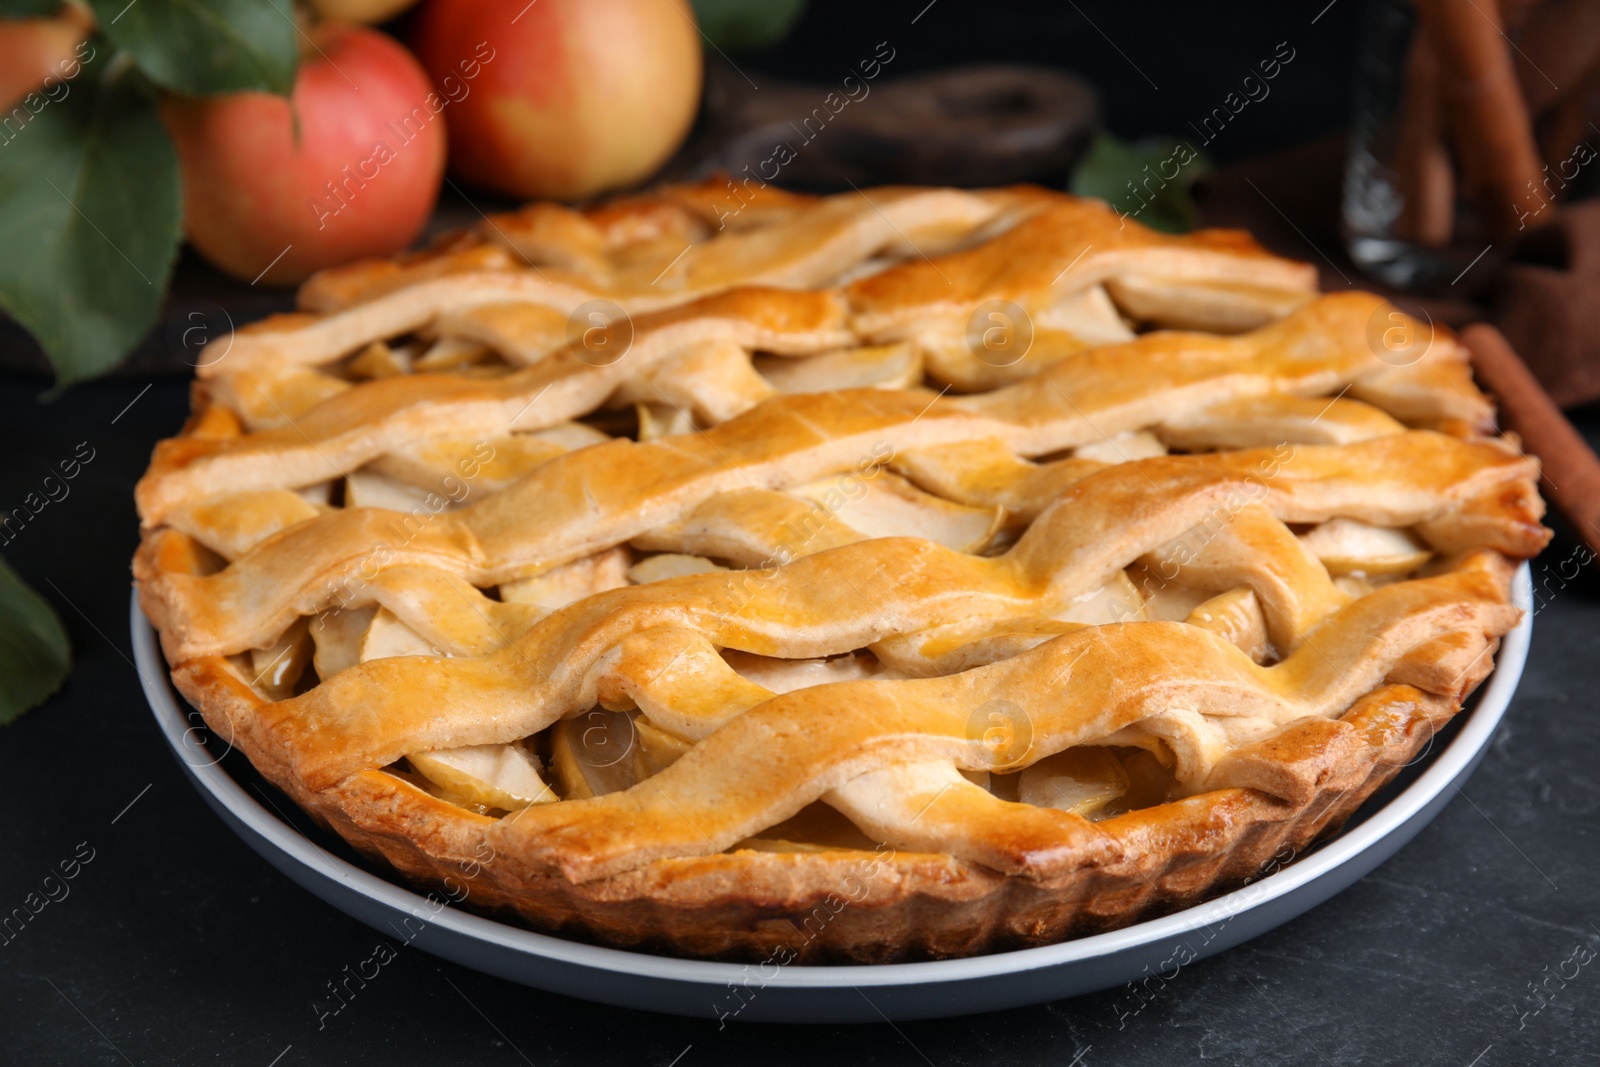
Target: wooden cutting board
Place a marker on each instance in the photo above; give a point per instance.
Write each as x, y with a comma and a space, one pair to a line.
977, 125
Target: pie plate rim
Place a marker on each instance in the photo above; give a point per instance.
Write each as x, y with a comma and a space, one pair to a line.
835, 994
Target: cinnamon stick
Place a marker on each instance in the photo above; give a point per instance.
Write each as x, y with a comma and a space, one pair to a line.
1566, 125
1571, 469
1493, 132
1422, 163
1559, 43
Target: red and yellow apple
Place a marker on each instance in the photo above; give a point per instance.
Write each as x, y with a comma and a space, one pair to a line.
369, 12
561, 98
349, 166
32, 50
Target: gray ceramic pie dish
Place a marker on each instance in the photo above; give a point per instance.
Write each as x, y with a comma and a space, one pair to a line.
750, 993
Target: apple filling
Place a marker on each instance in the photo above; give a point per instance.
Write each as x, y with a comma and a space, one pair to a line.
609, 749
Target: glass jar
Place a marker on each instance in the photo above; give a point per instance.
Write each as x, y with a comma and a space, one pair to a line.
1388, 231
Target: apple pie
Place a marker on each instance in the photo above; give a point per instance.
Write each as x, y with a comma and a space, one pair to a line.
902, 574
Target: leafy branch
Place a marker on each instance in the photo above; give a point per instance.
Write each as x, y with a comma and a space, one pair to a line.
1148, 180
34, 654
90, 197
91, 213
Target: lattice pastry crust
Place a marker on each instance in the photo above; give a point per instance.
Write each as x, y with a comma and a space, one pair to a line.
801, 622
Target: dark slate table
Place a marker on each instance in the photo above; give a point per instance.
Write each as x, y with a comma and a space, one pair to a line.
175, 943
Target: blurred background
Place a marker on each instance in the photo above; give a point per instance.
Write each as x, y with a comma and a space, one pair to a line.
982, 109
1429, 149
1192, 57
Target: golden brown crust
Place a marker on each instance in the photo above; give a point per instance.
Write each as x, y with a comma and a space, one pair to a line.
1248, 639
901, 906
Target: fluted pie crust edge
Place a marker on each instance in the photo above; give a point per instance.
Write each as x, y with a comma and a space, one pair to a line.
864, 907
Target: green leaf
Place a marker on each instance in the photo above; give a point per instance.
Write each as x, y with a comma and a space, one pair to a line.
90, 218
34, 654
740, 24
1148, 180
207, 46
28, 9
